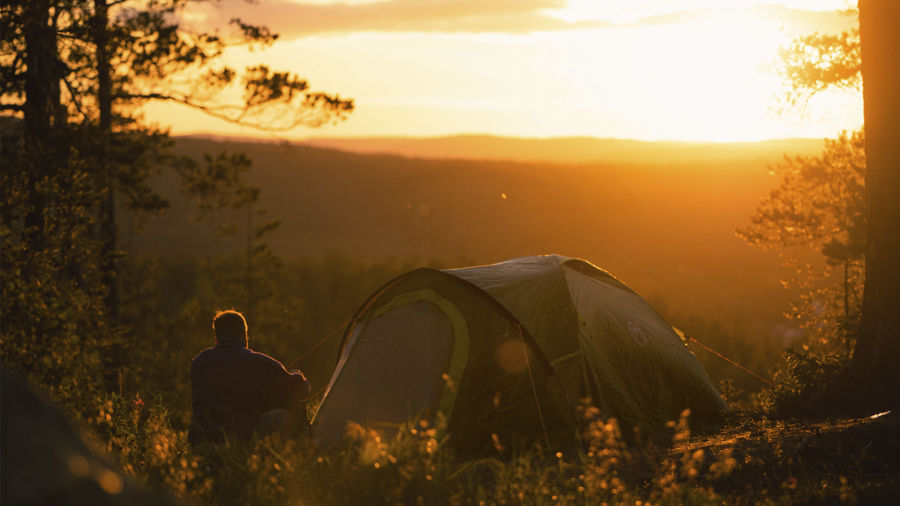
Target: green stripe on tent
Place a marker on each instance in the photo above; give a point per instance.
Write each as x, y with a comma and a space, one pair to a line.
460, 340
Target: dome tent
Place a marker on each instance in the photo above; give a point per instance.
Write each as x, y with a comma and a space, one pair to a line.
503, 350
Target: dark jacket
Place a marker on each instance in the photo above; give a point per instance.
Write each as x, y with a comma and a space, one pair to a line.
233, 385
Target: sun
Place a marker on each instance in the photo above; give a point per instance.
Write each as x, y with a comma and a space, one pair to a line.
708, 76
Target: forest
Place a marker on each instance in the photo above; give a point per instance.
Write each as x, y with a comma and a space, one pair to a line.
119, 242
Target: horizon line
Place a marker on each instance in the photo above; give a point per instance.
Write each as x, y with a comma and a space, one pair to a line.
472, 135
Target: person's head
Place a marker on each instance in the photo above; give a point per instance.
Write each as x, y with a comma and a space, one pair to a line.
230, 327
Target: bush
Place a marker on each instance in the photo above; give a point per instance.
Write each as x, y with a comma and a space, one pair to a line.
414, 467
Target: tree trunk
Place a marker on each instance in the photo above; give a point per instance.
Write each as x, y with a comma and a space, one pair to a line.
41, 108
877, 351
871, 381
104, 105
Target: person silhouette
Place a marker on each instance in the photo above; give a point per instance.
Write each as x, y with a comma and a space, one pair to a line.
237, 391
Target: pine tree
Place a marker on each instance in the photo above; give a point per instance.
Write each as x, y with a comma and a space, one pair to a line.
75, 156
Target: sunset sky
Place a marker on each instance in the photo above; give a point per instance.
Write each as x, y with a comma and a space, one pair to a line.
699, 70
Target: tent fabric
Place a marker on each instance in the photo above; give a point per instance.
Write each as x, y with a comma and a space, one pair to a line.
483, 373
460, 340
605, 342
504, 351
395, 394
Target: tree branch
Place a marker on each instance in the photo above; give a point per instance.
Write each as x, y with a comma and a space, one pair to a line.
238, 114
74, 97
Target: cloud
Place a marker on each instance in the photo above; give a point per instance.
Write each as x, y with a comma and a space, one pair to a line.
292, 20
794, 20
295, 19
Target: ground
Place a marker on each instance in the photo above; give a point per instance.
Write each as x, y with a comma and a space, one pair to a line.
830, 461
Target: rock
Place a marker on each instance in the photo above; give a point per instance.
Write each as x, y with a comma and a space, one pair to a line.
44, 461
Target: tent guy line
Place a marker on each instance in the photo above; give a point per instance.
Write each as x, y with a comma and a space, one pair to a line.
320, 343
732, 362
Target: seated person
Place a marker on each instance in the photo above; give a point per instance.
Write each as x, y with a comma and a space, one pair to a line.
237, 391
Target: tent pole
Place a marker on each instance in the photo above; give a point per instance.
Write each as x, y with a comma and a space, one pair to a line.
537, 401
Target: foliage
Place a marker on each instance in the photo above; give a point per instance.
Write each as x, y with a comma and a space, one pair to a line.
819, 201
53, 328
76, 72
411, 468
752, 461
816, 220
818, 213
797, 379
816, 62
146, 444
154, 55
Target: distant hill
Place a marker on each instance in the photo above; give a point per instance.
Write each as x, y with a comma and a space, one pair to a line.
563, 150
569, 150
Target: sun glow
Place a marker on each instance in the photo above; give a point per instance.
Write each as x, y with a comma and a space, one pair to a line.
706, 74
706, 78
624, 12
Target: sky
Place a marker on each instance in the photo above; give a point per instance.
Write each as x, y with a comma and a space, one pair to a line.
693, 70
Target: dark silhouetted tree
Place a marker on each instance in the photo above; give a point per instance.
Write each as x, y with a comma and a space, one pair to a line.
867, 57
75, 154
872, 376
113, 56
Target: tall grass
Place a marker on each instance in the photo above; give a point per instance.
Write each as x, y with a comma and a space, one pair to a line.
413, 467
